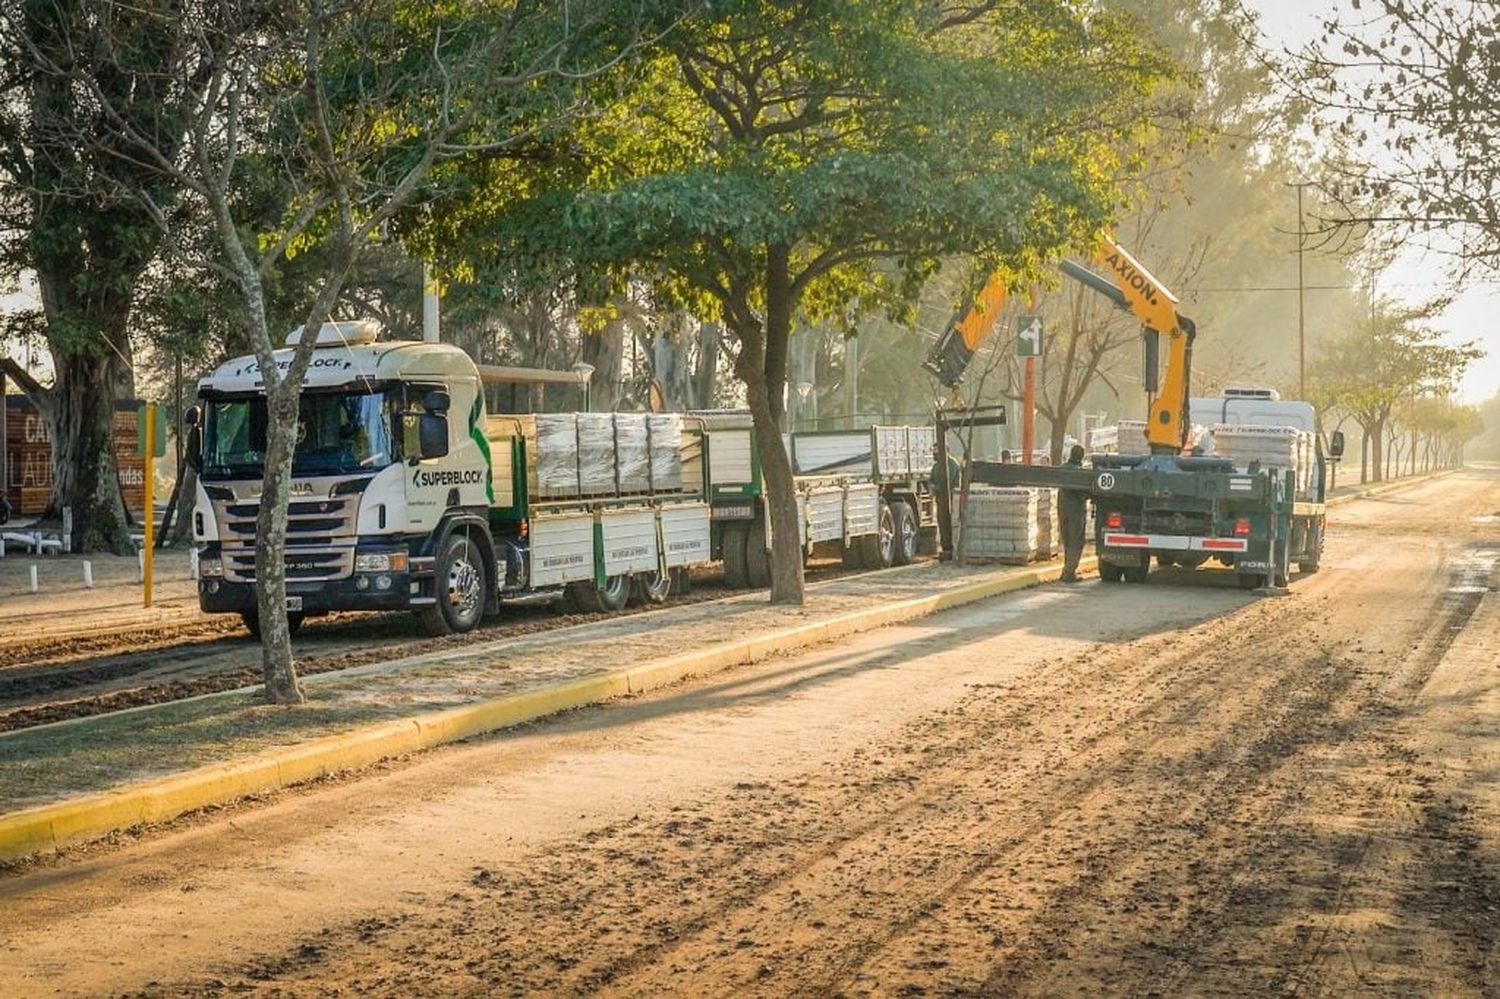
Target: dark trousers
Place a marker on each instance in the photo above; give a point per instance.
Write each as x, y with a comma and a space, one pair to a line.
1071, 526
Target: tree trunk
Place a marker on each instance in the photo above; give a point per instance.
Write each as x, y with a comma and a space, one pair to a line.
761, 365
85, 476
277, 667
1377, 451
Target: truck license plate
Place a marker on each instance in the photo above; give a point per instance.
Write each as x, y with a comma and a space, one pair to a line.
293, 603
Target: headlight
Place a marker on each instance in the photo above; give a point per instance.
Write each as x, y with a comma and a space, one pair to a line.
380, 562
210, 567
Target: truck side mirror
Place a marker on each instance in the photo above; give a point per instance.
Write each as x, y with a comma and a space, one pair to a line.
193, 421
433, 435
436, 401
1336, 444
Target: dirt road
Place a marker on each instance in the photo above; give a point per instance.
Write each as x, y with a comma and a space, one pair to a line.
1106, 789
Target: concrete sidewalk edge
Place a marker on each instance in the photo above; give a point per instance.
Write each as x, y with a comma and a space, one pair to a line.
64, 823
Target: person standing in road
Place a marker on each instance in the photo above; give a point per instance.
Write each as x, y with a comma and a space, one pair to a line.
1072, 512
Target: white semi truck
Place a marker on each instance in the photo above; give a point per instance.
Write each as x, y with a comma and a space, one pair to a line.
409, 494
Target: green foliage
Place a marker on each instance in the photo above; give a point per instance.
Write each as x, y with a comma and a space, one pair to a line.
850, 132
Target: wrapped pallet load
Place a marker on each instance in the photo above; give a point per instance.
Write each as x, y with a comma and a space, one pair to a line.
1132, 437
632, 452
555, 462
665, 432
1001, 523
1046, 523
596, 454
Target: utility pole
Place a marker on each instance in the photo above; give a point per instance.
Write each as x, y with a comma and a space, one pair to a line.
1301, 292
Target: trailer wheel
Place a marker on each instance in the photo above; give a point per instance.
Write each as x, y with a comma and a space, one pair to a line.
1109, 572
757, 557
878, 550
252, 623
651, 588
615, 593
461, 585
1309, 565
906, 533
582, 597
736, 575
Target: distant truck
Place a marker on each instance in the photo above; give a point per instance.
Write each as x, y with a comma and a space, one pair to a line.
1252, 495
409, 494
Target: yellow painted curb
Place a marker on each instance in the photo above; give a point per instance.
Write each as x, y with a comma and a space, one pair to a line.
52, 826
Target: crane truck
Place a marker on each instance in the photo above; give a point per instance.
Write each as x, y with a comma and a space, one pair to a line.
1256, 504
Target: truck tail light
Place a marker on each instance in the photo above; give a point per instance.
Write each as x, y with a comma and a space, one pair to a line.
1114, 521
1242, 528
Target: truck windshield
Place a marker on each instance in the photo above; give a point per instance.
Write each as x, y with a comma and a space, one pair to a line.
337, 433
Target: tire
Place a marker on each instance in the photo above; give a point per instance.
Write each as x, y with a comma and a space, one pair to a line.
852, 557
461, 585
736, 573
1137, 573
252, 623
582, 596
615, 593
650, 588
1166, 561
1109, 572
1250, 580
757, 558
1309, 565
878, 550
906, 533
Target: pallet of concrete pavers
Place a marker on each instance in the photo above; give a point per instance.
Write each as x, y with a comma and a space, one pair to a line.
1000, 524
1046, 523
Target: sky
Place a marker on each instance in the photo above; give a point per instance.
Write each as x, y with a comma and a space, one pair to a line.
1475, 312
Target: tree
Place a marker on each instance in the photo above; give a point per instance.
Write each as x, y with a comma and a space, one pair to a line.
820, 159
349, 107
1411, 89
74, 208
1377, 364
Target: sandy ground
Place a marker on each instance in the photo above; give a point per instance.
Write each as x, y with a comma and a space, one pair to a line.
1107, 789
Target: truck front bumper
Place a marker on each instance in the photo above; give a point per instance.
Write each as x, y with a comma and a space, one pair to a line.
358, 592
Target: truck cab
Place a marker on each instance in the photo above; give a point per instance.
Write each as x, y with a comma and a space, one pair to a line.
386, 457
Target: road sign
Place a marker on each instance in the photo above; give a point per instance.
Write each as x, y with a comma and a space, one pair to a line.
1029, 336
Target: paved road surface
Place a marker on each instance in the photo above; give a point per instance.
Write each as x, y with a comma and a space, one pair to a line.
1107, 789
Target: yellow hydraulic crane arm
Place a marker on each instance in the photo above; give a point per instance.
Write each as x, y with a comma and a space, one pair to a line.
1130, 286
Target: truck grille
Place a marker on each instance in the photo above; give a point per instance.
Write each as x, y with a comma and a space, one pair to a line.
319, 538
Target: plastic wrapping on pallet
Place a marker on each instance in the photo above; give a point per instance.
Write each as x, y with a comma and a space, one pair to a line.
596, 453
556, 454
665, 430
632, 452
1131, 437
1001, 523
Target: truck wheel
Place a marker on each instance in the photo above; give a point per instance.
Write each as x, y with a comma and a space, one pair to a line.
615, 593
1109, 572
736, 575
582, 597
878, 550
1309, 565
1250, 580
852, 557
460, 586
252, 623
1137, 573
1166, 561
757, 558
906, 533
651, 588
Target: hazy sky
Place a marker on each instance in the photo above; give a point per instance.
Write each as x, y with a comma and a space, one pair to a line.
1475, 313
